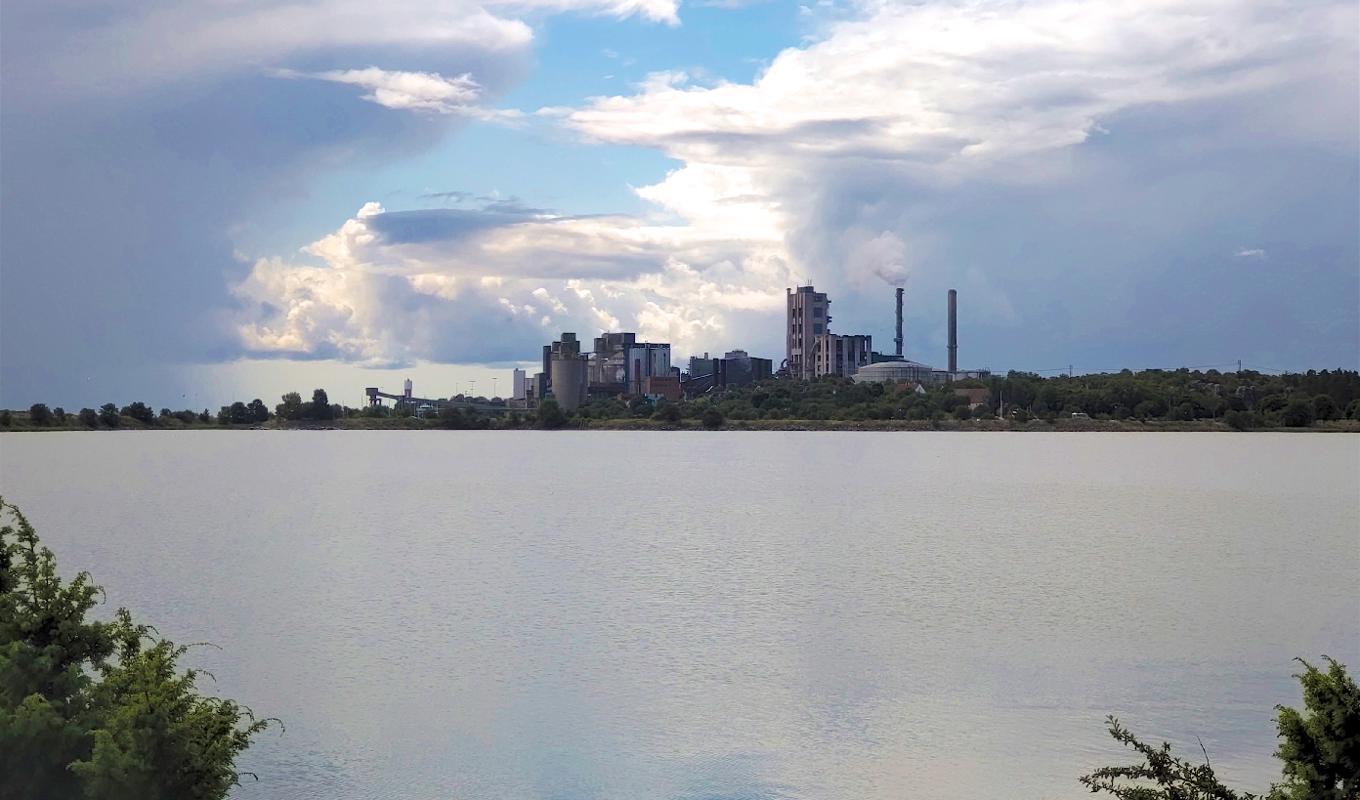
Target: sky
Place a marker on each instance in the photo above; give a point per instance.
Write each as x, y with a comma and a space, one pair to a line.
210, 201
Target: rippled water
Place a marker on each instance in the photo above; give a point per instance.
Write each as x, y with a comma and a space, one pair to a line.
704, 616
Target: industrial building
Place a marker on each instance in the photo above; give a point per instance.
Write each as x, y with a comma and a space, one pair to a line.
842, 355
812, 350
565, 370
893, 371
619, 365
735, 368
809, 316
898, 368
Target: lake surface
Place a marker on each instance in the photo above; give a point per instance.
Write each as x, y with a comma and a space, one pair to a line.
705, 616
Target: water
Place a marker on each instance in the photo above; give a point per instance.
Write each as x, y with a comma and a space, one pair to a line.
703, 616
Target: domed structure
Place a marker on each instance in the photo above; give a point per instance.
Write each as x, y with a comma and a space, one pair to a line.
884, 371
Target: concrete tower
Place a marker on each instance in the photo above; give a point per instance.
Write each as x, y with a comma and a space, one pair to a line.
898, 340
809, 316
953, 331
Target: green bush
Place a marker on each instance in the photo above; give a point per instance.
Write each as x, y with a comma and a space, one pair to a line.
100, 710
1297, 414
1319, 752
550, 415
712, 418
1324, 407
668, 413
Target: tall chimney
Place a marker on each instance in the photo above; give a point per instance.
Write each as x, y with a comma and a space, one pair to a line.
953, 331
898, 340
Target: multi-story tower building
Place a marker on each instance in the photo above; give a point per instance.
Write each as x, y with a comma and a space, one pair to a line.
809, 316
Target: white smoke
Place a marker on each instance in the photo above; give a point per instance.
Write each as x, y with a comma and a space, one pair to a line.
883, 256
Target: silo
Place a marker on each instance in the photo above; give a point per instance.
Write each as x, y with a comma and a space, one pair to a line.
569, 381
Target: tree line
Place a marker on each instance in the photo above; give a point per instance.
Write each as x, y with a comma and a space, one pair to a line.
1242, 400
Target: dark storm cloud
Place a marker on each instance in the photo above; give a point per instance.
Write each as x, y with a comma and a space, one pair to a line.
116, 203
1127, 253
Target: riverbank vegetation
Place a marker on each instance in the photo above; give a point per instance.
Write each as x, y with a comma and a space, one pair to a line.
99, 710
1124, 401
1319, 752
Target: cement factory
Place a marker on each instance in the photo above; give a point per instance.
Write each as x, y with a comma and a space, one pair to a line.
619, 366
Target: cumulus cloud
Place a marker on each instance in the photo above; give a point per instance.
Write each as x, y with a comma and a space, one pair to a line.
1014, 148
965, 84
142, 137
508, 282
833, 165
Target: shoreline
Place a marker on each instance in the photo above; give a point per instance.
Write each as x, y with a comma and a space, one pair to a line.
857, 426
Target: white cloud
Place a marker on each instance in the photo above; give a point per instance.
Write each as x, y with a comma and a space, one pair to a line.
1254, 252
377, 301
966, 84
416, 91
166, 42
906, 99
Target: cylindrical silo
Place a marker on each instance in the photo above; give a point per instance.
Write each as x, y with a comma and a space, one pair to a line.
569, 381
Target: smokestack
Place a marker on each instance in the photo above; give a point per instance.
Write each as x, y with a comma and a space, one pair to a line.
898, 340
953, 331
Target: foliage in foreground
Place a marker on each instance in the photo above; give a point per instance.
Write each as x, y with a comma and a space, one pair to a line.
1319, 750
99, 710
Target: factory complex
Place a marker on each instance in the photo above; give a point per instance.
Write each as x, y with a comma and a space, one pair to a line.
619, 366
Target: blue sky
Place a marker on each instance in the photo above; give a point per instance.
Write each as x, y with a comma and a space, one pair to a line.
204, 203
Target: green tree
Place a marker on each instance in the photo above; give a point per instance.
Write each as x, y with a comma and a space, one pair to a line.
1320, 747
259, 412
6, 418
40, 414
320, 407
962, 412
1297, 414
108, 414
712, 418
140, 411
1319, 750
59, 414
1324, 407
550, 415
89, 417
291, 407
1240, 420
1353, 410
99, 709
